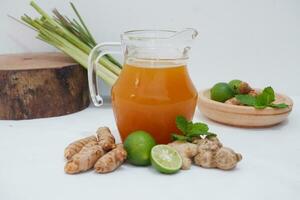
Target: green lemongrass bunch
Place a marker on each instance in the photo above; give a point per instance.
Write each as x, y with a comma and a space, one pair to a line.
73, 38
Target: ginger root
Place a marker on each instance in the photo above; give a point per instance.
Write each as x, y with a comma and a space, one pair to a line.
253, 93
103, 136
186, 150
105, 139
212, 154
83, 154
244, 88
233, 101
85, 158
112, 160
76, 146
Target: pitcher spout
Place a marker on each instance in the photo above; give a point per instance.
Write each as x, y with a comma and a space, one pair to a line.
185, 34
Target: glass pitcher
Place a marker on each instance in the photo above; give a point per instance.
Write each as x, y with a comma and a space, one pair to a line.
154, 86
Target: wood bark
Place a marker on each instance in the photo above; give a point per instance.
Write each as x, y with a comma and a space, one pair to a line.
41, 85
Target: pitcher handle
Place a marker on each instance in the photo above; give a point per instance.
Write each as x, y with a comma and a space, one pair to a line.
95, 55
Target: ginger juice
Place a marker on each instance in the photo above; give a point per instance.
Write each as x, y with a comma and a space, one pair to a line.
149, 95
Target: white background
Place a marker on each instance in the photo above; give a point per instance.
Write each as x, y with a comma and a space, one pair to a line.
256, 40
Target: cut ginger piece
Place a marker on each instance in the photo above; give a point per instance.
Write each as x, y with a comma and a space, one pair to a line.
112, 160
85, 158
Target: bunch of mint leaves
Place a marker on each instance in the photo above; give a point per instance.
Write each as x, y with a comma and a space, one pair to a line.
261, 101
191, 130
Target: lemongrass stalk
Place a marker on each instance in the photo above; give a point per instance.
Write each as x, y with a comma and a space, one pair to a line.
76, 53
61, 30
83, 24
38, 24
113, 60
104, 61
115, 69
56, 34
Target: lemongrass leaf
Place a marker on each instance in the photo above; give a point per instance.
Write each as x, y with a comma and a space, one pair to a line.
82, 22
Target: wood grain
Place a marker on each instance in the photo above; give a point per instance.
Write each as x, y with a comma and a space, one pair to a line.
243, 116
41, 85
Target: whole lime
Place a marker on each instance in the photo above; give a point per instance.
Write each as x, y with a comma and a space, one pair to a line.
221, 92
235, 85
138, 145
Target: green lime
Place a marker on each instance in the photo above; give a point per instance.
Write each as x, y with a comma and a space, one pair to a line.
221, 92
165, 159
235, 85
138, 145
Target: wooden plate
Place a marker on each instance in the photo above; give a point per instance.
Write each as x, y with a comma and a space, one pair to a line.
243, 116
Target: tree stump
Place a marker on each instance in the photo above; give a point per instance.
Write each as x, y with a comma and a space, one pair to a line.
39, 85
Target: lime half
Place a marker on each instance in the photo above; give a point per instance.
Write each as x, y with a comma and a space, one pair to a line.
165, 159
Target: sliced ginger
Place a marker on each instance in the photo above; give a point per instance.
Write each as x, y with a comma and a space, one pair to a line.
112, 160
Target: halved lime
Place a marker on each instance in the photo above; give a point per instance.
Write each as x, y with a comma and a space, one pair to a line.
165, 159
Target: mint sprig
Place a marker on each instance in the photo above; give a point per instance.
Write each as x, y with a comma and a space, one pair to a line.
191, 130
261, 101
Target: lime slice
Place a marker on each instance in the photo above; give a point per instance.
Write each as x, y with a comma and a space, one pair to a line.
165, 159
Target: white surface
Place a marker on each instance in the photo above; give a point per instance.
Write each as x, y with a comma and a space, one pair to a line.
31, 164
254, 40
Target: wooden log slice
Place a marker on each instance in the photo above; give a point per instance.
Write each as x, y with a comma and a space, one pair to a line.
41, 85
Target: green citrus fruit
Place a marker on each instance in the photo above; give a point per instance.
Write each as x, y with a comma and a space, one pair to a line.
235, 85
221, 92
165, 159
138, 145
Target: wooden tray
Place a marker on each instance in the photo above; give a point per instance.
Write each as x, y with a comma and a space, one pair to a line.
243, 116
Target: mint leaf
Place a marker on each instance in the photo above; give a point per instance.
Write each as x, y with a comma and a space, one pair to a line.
211, 135
190, 130
179, 137
197, 128
182, 124
280, 105
261, 101
266, 97
260, 106
246, 99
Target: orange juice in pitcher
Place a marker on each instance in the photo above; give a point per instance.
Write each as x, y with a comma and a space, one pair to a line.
154, 86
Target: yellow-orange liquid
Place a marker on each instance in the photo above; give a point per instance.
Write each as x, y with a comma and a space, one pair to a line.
149, 99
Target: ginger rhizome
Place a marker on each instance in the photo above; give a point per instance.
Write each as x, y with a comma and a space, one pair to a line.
206, 152
85, 158
76, 146
103, 136
196, 143
212, 154
187, 151
112, 160
105, 139
83, 154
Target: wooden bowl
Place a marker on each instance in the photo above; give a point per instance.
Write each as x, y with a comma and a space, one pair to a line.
243, 116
